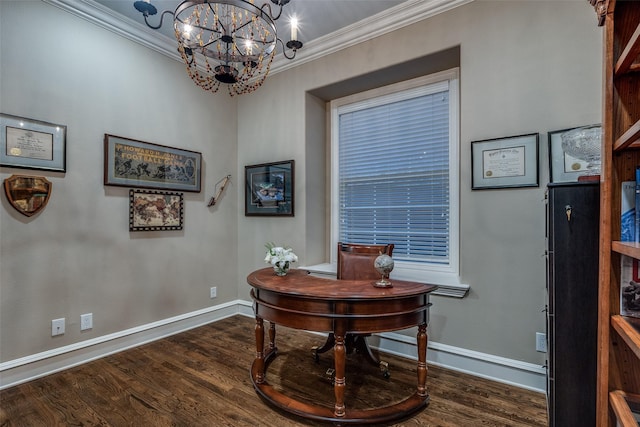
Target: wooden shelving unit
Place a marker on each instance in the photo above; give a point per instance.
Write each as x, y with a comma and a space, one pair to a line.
621, 403
618, 388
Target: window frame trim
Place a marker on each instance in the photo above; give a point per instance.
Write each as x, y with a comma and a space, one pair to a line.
407, 270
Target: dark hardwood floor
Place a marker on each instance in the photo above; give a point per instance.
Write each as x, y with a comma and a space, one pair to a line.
201, 378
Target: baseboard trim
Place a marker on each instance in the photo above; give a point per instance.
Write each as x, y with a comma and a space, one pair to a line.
496, 368
24, 369
508, 371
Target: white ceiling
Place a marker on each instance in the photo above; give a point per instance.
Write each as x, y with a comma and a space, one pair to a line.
316, 17
325, 26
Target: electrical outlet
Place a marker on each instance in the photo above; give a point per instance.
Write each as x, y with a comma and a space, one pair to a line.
541, 342
213, 292
57, 327
86, 321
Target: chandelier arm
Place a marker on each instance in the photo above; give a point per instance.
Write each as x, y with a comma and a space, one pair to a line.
284, 50
269, 12
161, 19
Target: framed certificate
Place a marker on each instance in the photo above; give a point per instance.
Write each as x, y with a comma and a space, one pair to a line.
505, 162
32, 144
563, 167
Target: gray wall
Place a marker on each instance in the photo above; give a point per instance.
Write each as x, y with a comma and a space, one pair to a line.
525, 67
77, 256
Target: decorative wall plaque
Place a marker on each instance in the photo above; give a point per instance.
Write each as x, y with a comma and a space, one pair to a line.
27, 194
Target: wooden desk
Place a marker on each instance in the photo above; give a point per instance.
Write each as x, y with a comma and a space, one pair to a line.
301, 301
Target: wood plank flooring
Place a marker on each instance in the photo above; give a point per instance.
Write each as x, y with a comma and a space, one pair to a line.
201, 378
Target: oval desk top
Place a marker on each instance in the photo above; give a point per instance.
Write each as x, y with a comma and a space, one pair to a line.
300, 283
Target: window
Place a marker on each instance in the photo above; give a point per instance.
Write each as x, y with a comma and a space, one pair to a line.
395, 173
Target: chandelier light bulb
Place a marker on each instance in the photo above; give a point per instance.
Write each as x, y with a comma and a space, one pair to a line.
294, 28
186, 31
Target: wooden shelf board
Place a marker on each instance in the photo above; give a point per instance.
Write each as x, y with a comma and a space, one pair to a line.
631, 249
619, 401
629, 139
629, 54
628, 328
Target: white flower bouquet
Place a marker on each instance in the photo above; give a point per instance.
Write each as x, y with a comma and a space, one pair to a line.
280, 258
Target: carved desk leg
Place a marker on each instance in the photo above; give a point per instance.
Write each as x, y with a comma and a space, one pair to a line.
422, 360
339, 354
272, 336
259, 373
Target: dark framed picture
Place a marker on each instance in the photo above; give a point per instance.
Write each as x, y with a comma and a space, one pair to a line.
269, 189
629, 287
131, 163
508, 162
566, 167
153, 210
32, 144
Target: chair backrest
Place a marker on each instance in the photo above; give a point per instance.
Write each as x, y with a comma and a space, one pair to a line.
355, 261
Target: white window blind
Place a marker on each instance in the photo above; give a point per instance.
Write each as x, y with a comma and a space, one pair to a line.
394, 174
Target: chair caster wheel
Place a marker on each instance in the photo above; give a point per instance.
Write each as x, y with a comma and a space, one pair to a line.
384, 367
331, 375
314, 353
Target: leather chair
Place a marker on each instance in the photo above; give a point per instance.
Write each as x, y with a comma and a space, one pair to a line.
356, 262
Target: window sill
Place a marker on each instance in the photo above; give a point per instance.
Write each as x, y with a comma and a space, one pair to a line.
445, 287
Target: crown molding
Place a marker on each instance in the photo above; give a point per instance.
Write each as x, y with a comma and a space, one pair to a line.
104, 17
389, 20
402, 15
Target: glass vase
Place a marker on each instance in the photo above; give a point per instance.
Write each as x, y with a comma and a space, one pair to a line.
281, 268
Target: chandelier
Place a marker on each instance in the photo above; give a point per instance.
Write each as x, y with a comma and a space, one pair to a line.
231, 42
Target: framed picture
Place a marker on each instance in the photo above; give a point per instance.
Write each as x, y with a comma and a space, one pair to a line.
505, 162
131, 163
151, 210
269, 189
564, 167
32, 144
629, 287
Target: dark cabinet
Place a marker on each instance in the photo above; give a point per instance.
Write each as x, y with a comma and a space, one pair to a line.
572, 302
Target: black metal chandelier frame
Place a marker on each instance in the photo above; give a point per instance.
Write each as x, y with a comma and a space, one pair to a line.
234, 41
